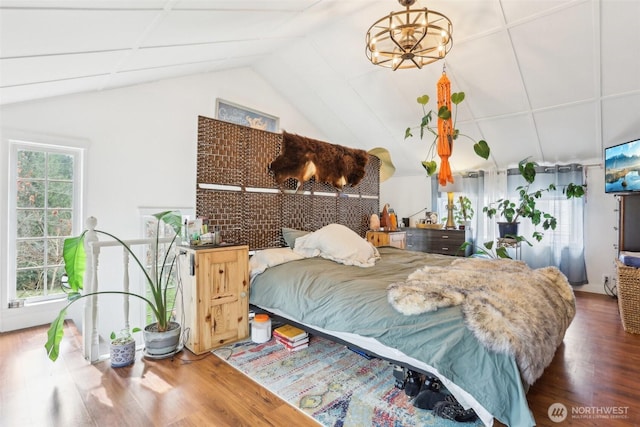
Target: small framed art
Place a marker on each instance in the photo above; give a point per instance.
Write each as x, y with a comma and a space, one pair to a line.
234, 113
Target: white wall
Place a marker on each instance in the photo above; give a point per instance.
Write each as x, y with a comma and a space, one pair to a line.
407, 195
410, 194
601, 234
142, 145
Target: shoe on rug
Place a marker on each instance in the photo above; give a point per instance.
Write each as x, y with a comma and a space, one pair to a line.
412, 384
428, 398
453, 411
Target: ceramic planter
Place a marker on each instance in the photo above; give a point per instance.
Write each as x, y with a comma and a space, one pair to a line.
508, 229
158, 344
123, 352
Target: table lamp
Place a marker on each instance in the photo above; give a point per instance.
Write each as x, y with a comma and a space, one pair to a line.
450, 188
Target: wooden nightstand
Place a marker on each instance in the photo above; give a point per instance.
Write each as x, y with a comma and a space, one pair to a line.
215, 285
396, 239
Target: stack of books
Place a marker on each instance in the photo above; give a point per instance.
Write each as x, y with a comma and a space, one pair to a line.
292, 338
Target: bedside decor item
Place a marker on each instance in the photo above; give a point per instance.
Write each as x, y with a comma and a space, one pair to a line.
386, 219
157, 281
374, 222
463, 212
411, 38
261, 328
450, 188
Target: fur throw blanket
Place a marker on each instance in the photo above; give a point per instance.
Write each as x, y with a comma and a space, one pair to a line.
509, 307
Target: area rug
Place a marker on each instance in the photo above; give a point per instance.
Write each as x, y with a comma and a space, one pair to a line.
331, 384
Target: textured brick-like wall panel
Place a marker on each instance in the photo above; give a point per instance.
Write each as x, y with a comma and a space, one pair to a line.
233, 161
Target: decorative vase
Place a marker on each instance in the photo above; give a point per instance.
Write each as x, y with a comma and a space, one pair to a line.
122, 352
162, 344
374, 222
508, 229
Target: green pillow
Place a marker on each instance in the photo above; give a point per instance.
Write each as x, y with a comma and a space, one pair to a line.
291, 234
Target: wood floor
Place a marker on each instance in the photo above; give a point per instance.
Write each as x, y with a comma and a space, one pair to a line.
596, 369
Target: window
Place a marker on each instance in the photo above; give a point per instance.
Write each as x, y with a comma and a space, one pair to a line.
44, 208
155, 266
149, 227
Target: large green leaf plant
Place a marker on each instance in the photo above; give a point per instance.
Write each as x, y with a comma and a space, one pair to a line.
526, 204
75, 260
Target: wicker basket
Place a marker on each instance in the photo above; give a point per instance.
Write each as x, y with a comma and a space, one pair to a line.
629, 297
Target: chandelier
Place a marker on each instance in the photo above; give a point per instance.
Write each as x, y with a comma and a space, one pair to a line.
409, 39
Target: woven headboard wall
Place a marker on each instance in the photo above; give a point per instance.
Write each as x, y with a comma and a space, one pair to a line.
237, 193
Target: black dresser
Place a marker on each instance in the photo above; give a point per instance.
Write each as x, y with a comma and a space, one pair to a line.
438, 241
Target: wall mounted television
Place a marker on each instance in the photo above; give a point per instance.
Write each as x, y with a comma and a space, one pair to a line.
622, 168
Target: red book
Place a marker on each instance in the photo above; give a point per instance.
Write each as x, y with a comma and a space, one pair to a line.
294, 347
294, 343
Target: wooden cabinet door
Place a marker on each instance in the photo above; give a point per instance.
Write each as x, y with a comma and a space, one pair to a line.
223, 296
215, 287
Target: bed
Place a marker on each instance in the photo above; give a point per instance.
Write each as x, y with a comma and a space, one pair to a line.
314, 282
322, 286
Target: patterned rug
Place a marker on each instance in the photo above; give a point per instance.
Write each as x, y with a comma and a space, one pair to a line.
332, 384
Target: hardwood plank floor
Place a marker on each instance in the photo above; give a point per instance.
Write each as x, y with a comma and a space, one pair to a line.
597, 368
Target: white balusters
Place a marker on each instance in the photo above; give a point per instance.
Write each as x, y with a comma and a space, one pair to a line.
90, 334
125, 287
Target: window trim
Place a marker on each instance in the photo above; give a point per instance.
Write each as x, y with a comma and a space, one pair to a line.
34, 311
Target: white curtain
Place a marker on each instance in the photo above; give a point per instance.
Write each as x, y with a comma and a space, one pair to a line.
562, 247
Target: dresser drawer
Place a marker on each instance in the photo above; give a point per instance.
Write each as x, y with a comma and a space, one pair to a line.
416, 240
446, 242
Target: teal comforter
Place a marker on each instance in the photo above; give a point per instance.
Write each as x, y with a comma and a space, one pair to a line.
352, 299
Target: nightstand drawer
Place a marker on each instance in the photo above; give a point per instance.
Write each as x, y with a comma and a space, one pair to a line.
397, 239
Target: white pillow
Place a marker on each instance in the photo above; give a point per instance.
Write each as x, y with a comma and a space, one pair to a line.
337, 243
266, 258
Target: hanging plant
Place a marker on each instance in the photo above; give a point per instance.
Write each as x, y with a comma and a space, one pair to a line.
446, 131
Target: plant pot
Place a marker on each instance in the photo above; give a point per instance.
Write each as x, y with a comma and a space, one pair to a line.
122, 352
158, 344
508, 229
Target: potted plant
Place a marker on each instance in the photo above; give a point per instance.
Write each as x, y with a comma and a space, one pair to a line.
463, 212
481, 148
525, 207
123, 348
157, 343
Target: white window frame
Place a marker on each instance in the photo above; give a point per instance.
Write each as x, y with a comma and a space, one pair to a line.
36, 311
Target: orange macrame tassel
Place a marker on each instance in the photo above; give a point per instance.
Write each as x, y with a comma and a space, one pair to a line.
445, 131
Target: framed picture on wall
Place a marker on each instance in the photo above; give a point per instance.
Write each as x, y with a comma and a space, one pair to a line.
234, 113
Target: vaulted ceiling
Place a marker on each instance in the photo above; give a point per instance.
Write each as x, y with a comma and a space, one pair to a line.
556, 80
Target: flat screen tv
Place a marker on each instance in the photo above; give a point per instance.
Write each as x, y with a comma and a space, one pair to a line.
622, 168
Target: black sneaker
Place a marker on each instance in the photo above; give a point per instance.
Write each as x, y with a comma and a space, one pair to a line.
412, 384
